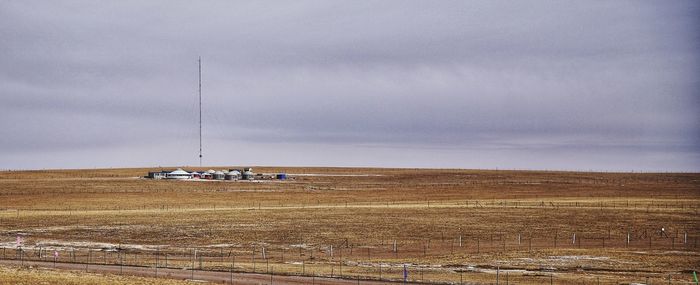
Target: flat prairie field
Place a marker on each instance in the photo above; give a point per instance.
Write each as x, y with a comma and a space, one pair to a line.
424, 226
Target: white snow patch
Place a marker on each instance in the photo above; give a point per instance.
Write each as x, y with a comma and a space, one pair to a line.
301, 245
578, 257
222, 245
69, 245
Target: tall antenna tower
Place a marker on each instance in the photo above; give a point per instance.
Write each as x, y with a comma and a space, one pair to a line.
200, 111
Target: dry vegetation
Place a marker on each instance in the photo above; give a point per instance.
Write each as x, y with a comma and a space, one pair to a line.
27, 276
522, 222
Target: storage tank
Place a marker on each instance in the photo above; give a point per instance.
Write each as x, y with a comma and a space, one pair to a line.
218, 175
233, 175
248, 175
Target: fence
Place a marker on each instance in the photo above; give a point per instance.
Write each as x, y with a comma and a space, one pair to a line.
385, 261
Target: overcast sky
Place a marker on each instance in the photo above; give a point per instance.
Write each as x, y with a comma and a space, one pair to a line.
572, 85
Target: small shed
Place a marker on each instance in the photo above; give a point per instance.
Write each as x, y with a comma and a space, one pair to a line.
157, 174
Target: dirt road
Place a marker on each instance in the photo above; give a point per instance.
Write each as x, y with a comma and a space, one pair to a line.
197, 275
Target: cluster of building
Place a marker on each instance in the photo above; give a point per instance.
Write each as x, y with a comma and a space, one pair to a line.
230, 174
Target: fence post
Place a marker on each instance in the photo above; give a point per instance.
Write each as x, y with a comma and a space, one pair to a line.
233, 263
498, 269
628, 239
157, 256
193, 257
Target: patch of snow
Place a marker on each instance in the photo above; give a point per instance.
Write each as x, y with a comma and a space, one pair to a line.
222, 245
69, 245
578, 257
301, 245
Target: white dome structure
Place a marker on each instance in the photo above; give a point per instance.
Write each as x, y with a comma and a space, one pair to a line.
233, 175
179, 174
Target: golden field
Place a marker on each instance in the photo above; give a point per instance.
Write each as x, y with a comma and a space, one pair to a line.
529, 227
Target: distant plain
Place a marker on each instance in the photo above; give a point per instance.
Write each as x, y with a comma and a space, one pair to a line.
531, 227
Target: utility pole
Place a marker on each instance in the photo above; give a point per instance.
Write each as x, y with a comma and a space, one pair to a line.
200, 111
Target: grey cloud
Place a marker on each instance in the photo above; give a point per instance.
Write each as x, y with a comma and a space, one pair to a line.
488, 80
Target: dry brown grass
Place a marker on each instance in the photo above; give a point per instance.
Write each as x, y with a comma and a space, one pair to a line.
27, 276
425, 211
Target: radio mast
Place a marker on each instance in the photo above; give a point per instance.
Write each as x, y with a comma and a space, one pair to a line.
200, 111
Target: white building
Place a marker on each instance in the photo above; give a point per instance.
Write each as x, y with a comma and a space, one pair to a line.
179, 174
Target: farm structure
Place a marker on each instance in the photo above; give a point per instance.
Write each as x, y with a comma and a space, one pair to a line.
230, 174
